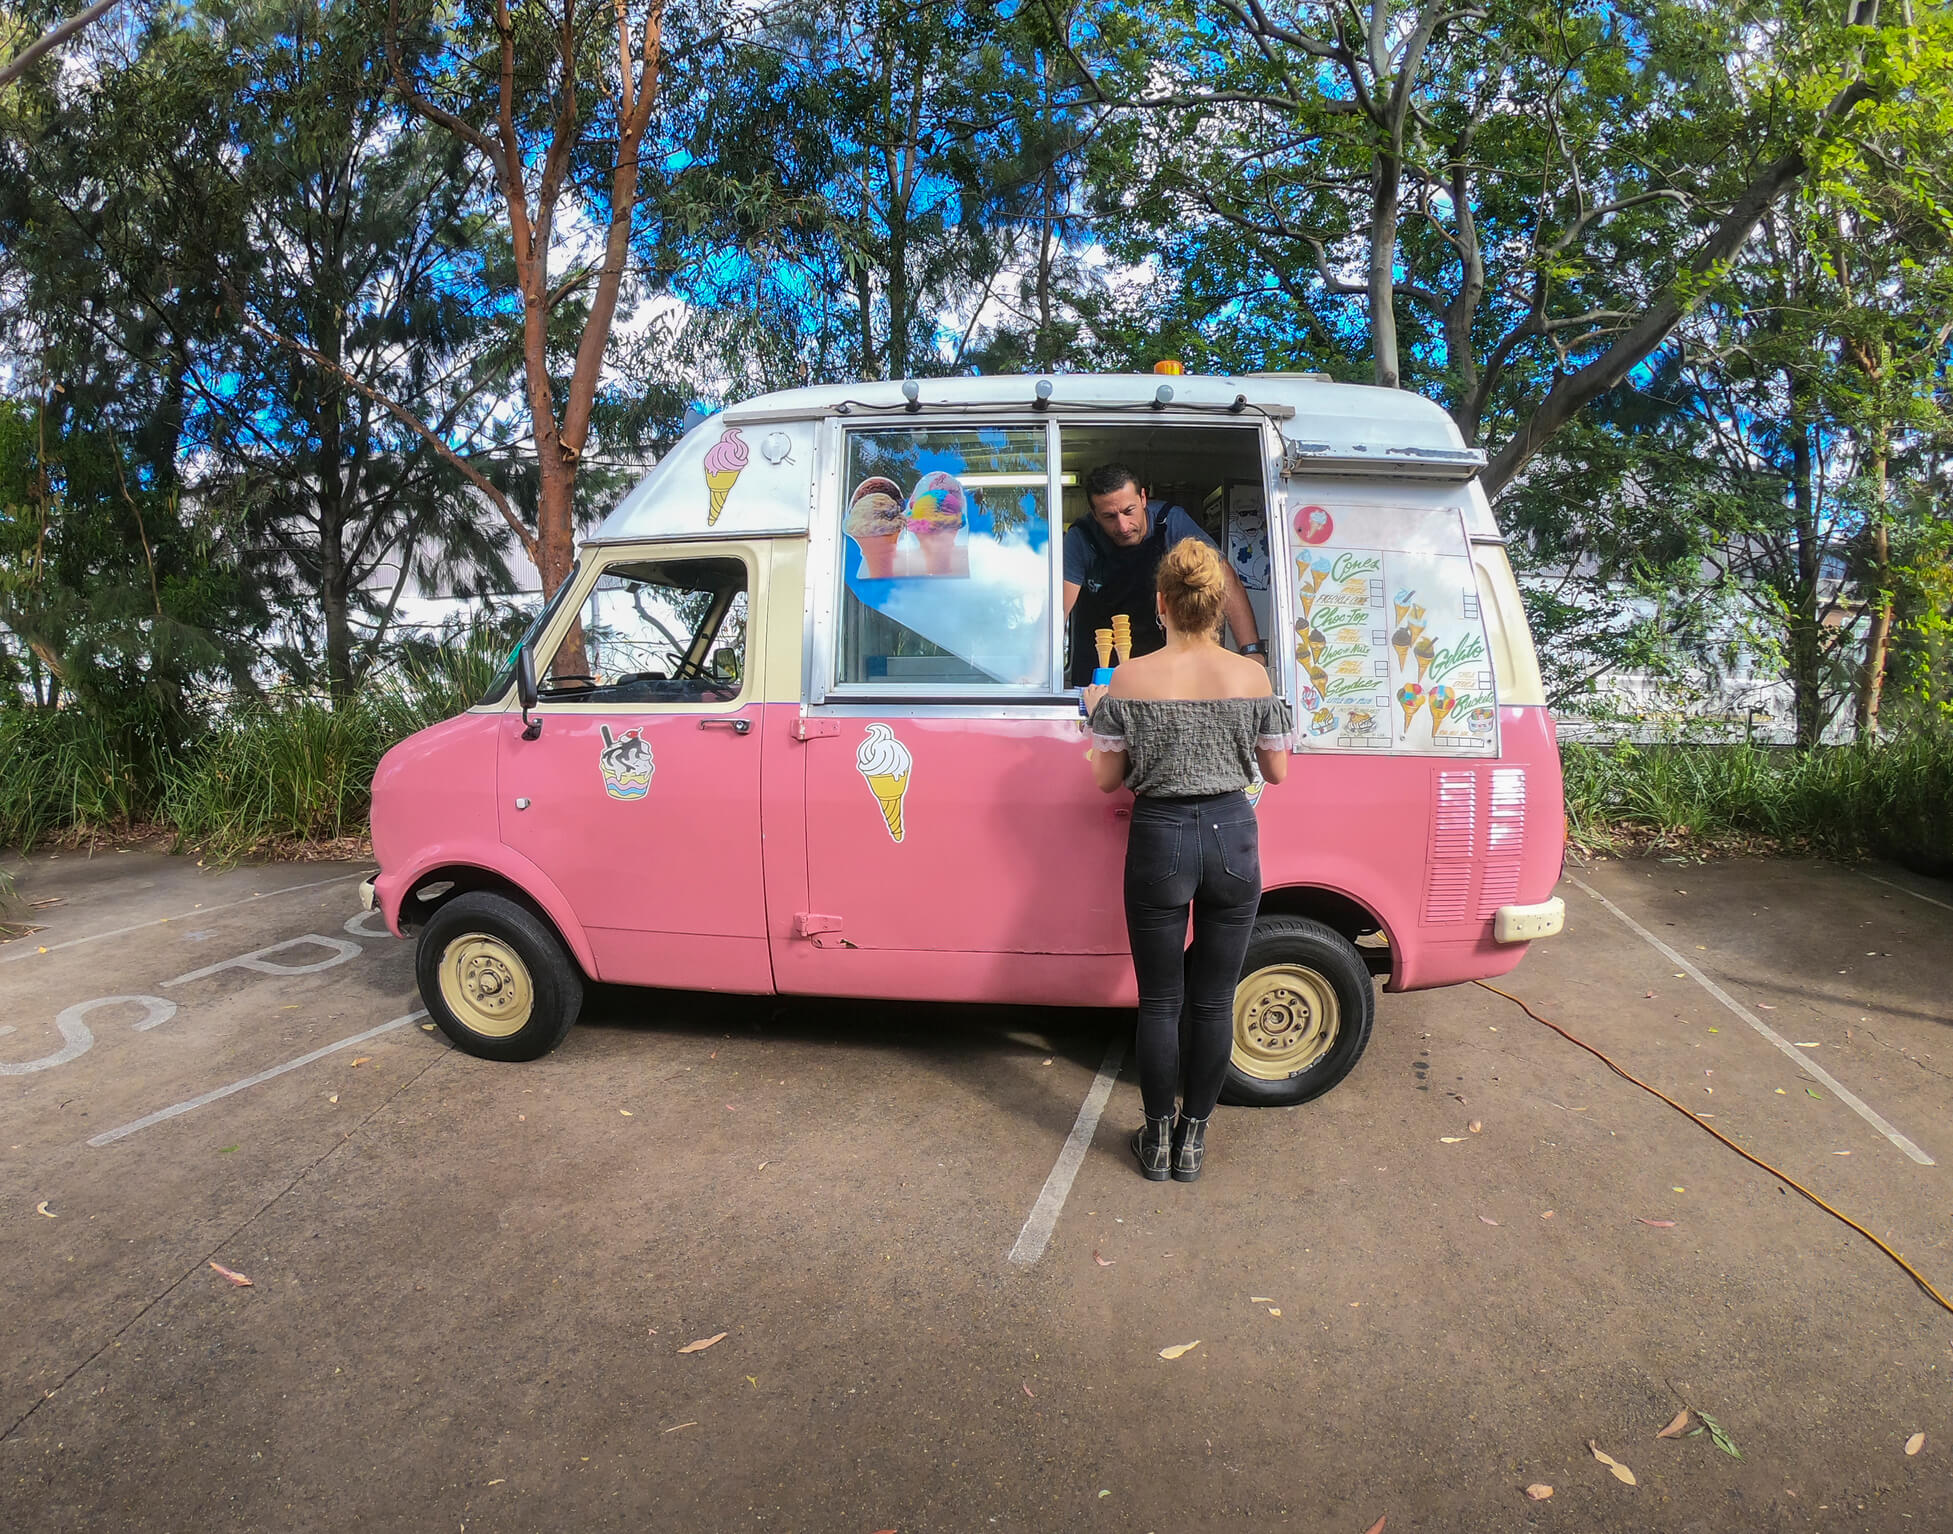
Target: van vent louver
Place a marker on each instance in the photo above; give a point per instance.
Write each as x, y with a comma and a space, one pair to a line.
1454, 839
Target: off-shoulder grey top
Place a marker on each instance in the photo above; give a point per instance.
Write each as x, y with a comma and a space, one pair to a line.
1183, 747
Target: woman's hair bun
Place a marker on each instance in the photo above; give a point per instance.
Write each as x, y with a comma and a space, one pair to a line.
1193, 582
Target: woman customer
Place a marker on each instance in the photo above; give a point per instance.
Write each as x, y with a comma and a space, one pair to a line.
1185, 728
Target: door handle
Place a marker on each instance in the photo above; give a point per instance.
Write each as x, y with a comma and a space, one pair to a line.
737, 726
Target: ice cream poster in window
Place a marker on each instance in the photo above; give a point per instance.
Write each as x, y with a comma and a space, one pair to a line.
1391, 649
921, 533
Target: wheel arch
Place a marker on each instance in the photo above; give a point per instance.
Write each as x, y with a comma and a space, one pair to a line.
426, 890
1340, 912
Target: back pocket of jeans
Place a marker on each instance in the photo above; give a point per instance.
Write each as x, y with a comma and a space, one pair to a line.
1240, 844
1152, 853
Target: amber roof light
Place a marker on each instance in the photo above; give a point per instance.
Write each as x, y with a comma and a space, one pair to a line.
1168, 367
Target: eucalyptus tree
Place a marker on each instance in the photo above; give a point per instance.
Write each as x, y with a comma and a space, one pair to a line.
1509, 204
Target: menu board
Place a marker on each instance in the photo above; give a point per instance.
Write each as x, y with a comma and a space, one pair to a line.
1391, 652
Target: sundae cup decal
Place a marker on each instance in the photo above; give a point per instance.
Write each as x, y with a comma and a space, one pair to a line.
626, 763
1313, 524
1479, 721
1311, 699
884, 763
1322, 722
1362, 722
935, 514
875, 523
725, 461
1410, 697
1441, 700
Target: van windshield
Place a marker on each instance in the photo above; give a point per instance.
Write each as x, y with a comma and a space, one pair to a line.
505, 678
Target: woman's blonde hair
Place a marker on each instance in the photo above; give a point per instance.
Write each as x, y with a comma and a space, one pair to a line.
1193, 582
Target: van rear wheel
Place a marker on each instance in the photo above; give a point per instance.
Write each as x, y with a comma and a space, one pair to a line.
495, 979
1303, 1012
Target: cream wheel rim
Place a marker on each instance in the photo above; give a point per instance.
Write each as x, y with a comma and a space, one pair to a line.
1286, 1018
486, 985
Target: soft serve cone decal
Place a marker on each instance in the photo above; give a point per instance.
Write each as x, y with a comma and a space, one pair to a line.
725, 461
885, 763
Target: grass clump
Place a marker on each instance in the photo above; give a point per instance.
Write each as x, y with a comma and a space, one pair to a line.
1891, 800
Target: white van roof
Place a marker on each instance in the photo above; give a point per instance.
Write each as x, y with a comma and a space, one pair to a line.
1347, 428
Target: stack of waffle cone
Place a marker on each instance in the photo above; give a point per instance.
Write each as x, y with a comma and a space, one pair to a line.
1122, 636
1102, 639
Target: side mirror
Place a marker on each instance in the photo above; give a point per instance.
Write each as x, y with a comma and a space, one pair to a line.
525, 691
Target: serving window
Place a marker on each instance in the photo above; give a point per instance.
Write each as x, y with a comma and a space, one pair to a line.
947, 566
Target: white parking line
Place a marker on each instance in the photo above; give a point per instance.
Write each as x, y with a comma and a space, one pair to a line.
202, 910
1031, 1240
1838, 1089
175, 1109
1907, 890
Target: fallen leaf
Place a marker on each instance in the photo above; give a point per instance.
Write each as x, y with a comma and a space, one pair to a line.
753, 1380
499, 1480
692, 1424
1044, 1062
235, 1277
1027, 1390
1678, 1190
1475, 1126
42, 1208
703, 1343
1273, 1311
1451, 1139
1102, 1492
1647, 995
1377, 1527
1809, 1093
653, 1330
1809, 1044
334, 1098
627, 1113
1488, 1219
225, 1150
1546, 1214
1915, 1443
1621, 1471
1539, 1492
1104, 1262
426, 1027
1658, 1224
1764, 1006
1841, 1153
1718, 1437
1180, 1350
763, 1166
1674, 1429
362, 1060
1261, 1299
1780, 1091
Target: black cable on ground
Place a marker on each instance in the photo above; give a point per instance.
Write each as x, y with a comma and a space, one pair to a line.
1784, 1177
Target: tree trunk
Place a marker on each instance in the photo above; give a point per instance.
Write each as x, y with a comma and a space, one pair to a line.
1384, 193
1871, 684
1806, 640
556, 553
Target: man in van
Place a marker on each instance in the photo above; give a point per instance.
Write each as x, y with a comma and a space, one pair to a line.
1112, 558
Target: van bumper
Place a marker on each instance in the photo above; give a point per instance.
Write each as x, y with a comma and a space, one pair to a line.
1523, 923
366, 895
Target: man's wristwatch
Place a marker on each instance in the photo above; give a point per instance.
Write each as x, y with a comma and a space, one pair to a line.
1253, 647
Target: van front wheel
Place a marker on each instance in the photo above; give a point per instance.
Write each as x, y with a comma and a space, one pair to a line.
495, 979
1302, 1014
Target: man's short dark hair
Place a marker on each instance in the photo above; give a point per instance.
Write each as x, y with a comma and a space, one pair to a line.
1108, 477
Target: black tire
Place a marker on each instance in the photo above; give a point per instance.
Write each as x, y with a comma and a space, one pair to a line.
501, 946
1300, 943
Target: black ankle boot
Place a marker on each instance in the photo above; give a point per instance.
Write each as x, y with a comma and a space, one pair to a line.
1153, 1147
1189, 1137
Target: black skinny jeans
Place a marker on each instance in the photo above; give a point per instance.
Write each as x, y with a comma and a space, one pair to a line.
1203, 853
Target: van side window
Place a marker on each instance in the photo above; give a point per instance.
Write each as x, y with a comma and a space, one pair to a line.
656, 632
946, 559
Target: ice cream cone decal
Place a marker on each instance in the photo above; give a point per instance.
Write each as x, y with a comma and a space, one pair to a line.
725, 461
1410, 698
1400, 606
1441, 700
884, 763
1425, 652
1401, 640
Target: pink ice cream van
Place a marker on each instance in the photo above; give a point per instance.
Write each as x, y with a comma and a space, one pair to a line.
798, 724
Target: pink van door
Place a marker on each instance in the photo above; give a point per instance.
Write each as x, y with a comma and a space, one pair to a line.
640, 798
956, 848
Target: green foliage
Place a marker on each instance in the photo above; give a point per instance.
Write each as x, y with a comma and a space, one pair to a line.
1893, 800
62, 770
